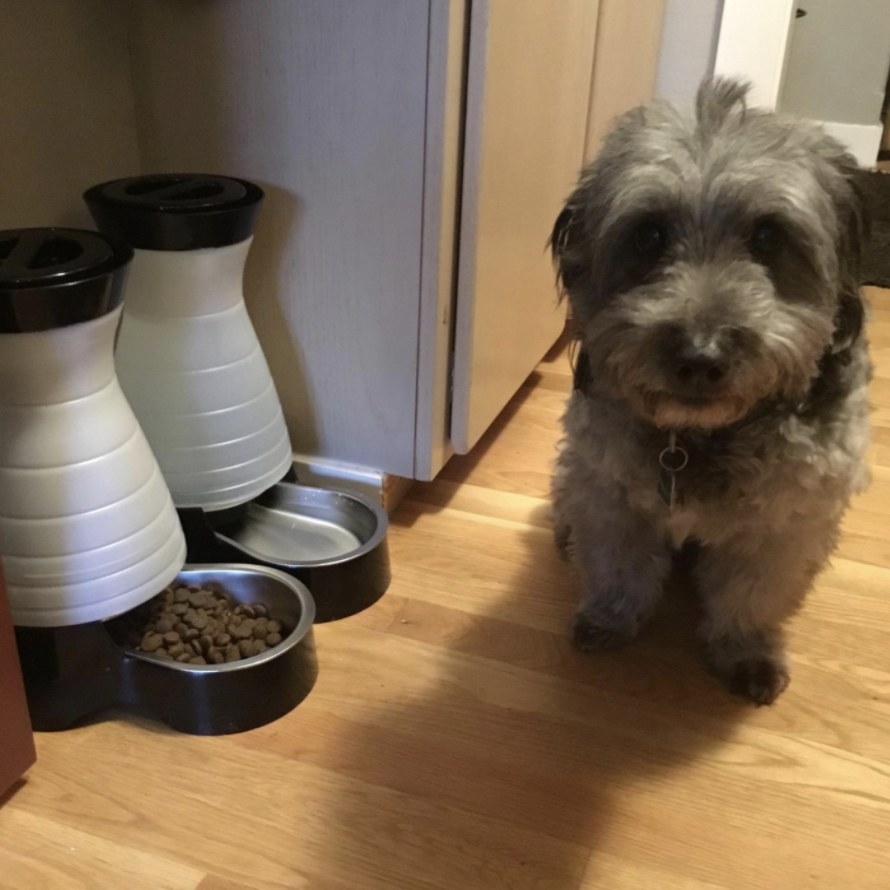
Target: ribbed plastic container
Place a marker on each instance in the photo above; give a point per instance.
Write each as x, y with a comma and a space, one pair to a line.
88, 529
187, 354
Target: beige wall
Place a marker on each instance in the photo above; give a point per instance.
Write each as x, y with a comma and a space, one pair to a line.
837, 62
688, 47
66, 104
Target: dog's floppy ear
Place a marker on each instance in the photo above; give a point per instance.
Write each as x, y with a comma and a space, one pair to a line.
566, 243
854, 231
848, 322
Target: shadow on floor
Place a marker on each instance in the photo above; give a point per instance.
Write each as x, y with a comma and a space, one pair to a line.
517, 752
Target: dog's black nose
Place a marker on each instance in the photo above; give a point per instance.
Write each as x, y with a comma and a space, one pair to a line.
698, 371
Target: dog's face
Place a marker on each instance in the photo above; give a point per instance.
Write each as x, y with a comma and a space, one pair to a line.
711, 263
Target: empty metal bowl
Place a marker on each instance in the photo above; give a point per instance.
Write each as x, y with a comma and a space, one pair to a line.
333, 541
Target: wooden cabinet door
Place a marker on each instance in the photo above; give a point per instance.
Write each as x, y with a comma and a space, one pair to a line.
528, 88
16, 741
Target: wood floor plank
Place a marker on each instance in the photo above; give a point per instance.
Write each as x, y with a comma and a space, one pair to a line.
258, 813
37, 851
578, 762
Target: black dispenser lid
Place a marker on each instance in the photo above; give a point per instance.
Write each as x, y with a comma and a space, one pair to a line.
51, 278
176, 211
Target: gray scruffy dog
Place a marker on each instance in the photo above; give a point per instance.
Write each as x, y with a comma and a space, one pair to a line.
711, 264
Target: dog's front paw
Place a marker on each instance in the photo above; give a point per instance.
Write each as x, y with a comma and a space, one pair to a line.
591, 635
760, 679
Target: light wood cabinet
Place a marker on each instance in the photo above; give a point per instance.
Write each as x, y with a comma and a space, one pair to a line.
528, 88
414, 154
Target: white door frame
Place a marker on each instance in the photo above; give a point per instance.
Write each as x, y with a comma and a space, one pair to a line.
753, 43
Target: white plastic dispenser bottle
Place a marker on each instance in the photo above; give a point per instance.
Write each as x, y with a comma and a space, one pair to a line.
187, 355
88, 529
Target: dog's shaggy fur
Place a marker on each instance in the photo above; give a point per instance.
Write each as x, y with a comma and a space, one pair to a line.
711, 266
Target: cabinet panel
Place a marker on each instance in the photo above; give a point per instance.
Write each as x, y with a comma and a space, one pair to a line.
528, 90
625, 63
16, 740
444, 150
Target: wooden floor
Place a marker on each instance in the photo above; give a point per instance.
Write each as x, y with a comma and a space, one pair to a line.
455, 740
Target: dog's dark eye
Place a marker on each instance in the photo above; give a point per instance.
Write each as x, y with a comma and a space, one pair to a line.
766, 239
650, 239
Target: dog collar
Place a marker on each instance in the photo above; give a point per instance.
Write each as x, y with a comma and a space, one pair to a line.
674, 458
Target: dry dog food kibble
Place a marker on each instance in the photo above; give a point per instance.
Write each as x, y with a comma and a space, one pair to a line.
195, 625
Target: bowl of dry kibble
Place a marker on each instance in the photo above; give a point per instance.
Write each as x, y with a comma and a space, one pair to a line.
223, 648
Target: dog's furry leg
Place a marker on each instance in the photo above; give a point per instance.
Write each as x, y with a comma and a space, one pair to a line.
750, 587
623, 563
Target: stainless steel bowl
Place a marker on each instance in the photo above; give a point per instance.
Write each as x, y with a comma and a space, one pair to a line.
73, 672
332, 541
286, 598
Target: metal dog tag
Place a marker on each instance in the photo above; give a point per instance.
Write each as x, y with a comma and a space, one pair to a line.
671, 460
667, 488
